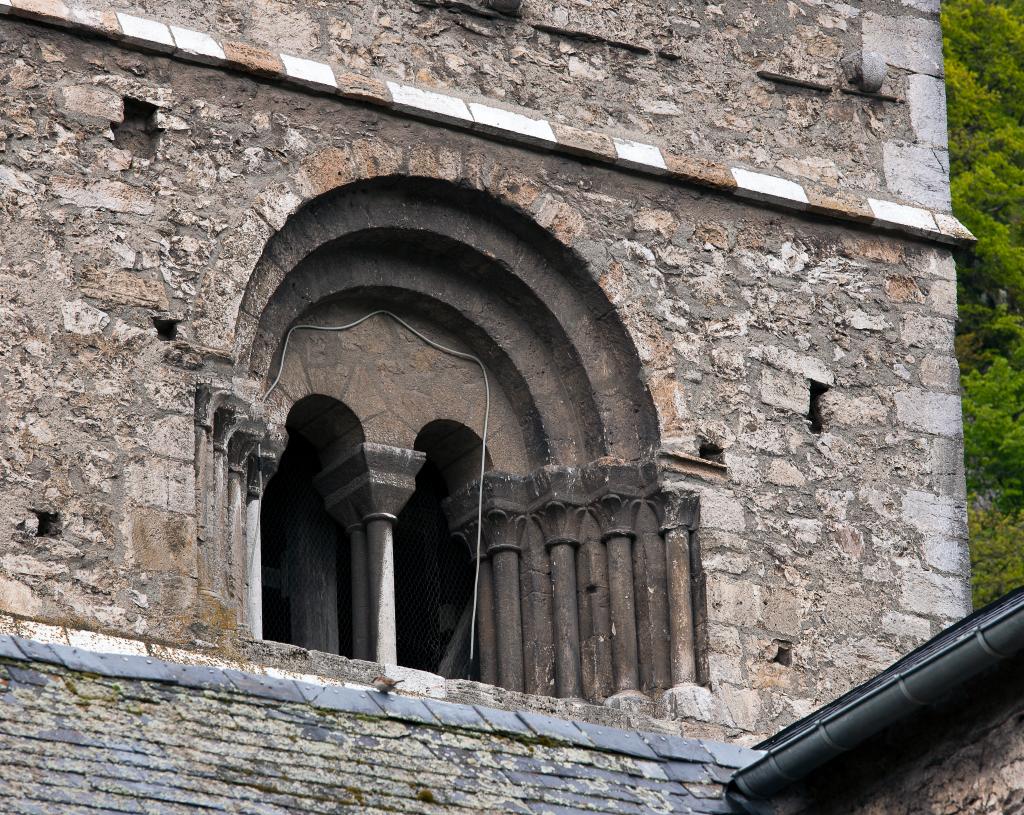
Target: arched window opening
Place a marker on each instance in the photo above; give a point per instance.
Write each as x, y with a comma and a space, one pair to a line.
305, 584
433, 583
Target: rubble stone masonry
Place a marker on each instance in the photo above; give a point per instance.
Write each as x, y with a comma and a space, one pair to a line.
809, 359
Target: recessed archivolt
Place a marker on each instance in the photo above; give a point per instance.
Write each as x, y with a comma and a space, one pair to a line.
467, 265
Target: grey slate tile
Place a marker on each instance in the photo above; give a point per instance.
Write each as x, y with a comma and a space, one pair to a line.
136, 667
269, 687
685, 771
78, 660
504, 721
8, 648
457, 715
403, 707
731, 755
553, 728
22, 675
349, 700
200, 677
627, 742
37, 651
676, 747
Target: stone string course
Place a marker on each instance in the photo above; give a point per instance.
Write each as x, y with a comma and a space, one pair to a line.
526, 127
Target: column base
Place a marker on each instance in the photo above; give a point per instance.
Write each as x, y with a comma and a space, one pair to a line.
632, 701
688, 701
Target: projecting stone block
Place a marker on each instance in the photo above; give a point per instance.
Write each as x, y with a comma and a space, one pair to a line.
496, 120
889, 213
197, 46
308, 72
769, 188
146, 33
435, 105
639, 155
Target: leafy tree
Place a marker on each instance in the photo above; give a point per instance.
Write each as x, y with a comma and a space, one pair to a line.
984, 49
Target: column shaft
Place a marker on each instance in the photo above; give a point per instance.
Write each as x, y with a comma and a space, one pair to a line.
682, 653
362, 644
623, 613
485, 625
234, 565
254, 569
510, 620
568, 682
380, 540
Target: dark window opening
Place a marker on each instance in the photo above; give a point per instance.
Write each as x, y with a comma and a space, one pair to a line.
303, 581
818, 390
166, 328
433, 583
138, 131
48, 524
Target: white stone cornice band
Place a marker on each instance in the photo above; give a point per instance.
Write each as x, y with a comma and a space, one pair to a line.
523, 126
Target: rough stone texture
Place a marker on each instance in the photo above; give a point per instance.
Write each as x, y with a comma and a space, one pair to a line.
728, 310
668, 70
964, 755
141, 735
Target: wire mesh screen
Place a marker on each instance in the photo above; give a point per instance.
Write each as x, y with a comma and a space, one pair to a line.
306, 577
433, 584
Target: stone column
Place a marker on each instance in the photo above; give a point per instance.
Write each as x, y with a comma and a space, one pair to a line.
256, 477
678, 520
614, 492
213, 560
376, 480
486, 624
559, 510
362, 643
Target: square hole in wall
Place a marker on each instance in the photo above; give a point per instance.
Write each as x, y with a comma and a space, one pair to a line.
138, 131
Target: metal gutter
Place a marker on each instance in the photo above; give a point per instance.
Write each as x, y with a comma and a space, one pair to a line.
790, 758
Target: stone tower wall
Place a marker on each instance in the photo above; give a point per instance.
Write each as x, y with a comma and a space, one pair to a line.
826, 551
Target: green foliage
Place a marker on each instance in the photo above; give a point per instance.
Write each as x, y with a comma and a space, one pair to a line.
997, 557
994, 436
984, 48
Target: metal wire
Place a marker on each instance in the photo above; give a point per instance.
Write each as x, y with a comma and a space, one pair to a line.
483, 441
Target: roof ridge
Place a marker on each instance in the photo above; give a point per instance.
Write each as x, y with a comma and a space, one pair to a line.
656, 747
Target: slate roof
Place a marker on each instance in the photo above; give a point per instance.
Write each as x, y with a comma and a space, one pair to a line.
97, 733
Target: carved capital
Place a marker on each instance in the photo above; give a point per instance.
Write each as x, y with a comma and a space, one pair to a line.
373, 479
559, 504
677, 509
505, 498
613, 488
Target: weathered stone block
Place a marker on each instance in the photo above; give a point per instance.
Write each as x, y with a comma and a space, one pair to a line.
937, 413
785, 391
918, 173
942, 520
926, 96
913, 43
100, 103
